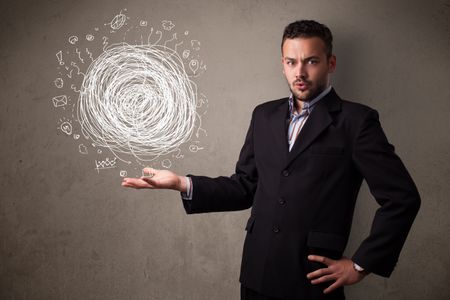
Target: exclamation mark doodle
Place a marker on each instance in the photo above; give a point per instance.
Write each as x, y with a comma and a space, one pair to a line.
59, 57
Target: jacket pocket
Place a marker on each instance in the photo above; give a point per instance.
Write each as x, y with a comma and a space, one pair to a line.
327, 150
324, 240
250, 223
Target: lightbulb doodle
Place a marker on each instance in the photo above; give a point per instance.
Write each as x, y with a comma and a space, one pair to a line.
127, 93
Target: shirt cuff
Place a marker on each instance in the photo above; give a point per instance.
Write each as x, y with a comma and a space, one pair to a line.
188, 194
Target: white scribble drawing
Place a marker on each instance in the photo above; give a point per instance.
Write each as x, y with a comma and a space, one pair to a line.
73, 39
105, 164
90, 54
118, 21
195, 45
195, 148
59, 57
66, 127
59, 101
166, 163
73, 64
174, 37
59, 83
82, 149
79, 55
186, 53
193, 65
202, 100
168, 25
138, 100
74, 88
123, 173
178, 154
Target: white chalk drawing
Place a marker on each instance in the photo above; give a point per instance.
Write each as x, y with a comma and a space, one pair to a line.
82, 149
59, 83
79, 55
90, 54
59, 101
73, 39
123, 173
193, 65
166, 163
118, 21
195, 148
107, 163
167, 25
195, 45
136, 90
66, 127
59, 57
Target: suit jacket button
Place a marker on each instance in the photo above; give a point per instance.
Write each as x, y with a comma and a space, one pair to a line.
276, 229
285, 173
281, 201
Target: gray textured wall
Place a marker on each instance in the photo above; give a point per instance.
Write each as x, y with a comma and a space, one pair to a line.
67, 232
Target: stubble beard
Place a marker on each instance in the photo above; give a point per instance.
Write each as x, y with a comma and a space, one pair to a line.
308, 94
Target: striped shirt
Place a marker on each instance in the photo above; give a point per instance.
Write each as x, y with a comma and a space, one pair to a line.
298, 119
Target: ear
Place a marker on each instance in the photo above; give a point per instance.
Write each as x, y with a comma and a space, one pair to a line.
332, 64
282, 65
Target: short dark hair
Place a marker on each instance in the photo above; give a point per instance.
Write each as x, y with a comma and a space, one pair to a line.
307, 29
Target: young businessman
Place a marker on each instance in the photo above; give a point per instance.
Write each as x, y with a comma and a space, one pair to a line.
300, 169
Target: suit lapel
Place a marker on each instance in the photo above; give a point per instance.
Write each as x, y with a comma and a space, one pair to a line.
317, 122
278, 121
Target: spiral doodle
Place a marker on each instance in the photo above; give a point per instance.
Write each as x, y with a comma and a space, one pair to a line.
138, 100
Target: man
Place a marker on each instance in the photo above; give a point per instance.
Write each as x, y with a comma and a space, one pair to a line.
300, 170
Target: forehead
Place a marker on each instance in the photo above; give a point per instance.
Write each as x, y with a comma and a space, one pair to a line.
304, 46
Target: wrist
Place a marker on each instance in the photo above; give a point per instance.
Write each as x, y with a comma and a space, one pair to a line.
182, 186
359, 269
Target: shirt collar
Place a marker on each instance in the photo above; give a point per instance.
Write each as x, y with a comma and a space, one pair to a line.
307, 106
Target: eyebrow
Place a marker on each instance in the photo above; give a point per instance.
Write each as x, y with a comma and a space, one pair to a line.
305, 59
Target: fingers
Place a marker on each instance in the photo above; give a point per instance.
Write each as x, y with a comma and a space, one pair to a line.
136, 183
149, 172
318, 273
335, 285
322, 259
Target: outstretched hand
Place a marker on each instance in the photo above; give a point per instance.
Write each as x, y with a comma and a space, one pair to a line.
156, 179
341, 271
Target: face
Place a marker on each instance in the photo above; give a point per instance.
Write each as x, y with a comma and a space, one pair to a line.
306, 67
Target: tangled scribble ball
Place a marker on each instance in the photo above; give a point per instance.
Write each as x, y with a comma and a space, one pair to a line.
138, 100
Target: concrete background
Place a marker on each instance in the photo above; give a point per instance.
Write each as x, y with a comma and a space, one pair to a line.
67, 232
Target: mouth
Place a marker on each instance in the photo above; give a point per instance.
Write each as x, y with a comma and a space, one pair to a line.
301, 85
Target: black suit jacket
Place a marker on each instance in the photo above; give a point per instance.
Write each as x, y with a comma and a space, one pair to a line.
303, 201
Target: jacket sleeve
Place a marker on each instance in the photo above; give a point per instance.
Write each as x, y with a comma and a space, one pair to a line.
227, 193
394, 190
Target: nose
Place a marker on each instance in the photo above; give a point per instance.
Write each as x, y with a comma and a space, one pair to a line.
300, 72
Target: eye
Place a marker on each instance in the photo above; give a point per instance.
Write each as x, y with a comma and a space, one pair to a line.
313, 62
289, 62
